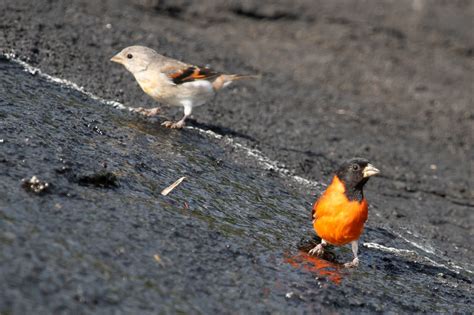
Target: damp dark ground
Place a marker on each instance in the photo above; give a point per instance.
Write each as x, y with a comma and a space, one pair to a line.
392, 81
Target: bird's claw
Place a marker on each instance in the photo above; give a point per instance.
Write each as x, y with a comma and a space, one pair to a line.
173, 125
318, 250
354, 263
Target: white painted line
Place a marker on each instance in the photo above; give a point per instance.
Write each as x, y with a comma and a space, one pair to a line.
407, 252
72, 85
390, 249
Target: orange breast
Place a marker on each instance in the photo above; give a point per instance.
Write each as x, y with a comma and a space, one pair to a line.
337, 219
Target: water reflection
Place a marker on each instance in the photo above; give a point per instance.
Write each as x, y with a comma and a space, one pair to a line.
320, 267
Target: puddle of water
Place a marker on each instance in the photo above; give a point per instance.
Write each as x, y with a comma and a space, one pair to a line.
319, 267
226, 237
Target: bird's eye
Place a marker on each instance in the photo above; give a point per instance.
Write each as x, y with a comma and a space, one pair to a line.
129, 56
355, 167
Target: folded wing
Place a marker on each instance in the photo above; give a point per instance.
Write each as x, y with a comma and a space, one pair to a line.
191, 73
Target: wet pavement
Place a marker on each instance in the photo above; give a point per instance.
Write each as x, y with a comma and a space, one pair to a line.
84, 227
101, 238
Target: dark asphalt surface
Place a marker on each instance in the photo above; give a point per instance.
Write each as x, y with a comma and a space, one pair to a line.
393, 83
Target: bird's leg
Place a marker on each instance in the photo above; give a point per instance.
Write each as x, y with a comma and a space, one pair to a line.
148, 112
318, 250
355, 261
179, 124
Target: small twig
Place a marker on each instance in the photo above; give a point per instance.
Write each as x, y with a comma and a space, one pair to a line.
167, 190
158, 259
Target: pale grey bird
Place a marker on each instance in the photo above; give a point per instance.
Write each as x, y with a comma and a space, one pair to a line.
171, 81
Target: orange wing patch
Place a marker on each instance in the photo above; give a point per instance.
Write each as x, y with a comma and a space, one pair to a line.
192, 74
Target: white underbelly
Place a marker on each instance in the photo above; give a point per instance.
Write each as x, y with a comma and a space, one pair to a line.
196, 93
193, 93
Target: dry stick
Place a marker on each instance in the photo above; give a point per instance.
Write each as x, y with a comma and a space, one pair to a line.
167, 190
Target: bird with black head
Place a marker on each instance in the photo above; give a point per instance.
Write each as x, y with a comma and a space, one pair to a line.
340, 213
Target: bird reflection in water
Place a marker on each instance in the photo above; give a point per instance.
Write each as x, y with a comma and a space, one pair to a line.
320, 267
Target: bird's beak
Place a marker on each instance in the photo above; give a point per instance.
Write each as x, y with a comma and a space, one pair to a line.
370, 170
116, 59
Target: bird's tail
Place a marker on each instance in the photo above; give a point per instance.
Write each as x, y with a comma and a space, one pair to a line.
225, 79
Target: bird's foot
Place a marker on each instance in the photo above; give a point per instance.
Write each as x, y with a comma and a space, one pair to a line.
318, 250
148, 112
173, 125
354, 263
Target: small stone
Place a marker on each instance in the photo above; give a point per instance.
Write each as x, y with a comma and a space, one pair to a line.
34, 184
